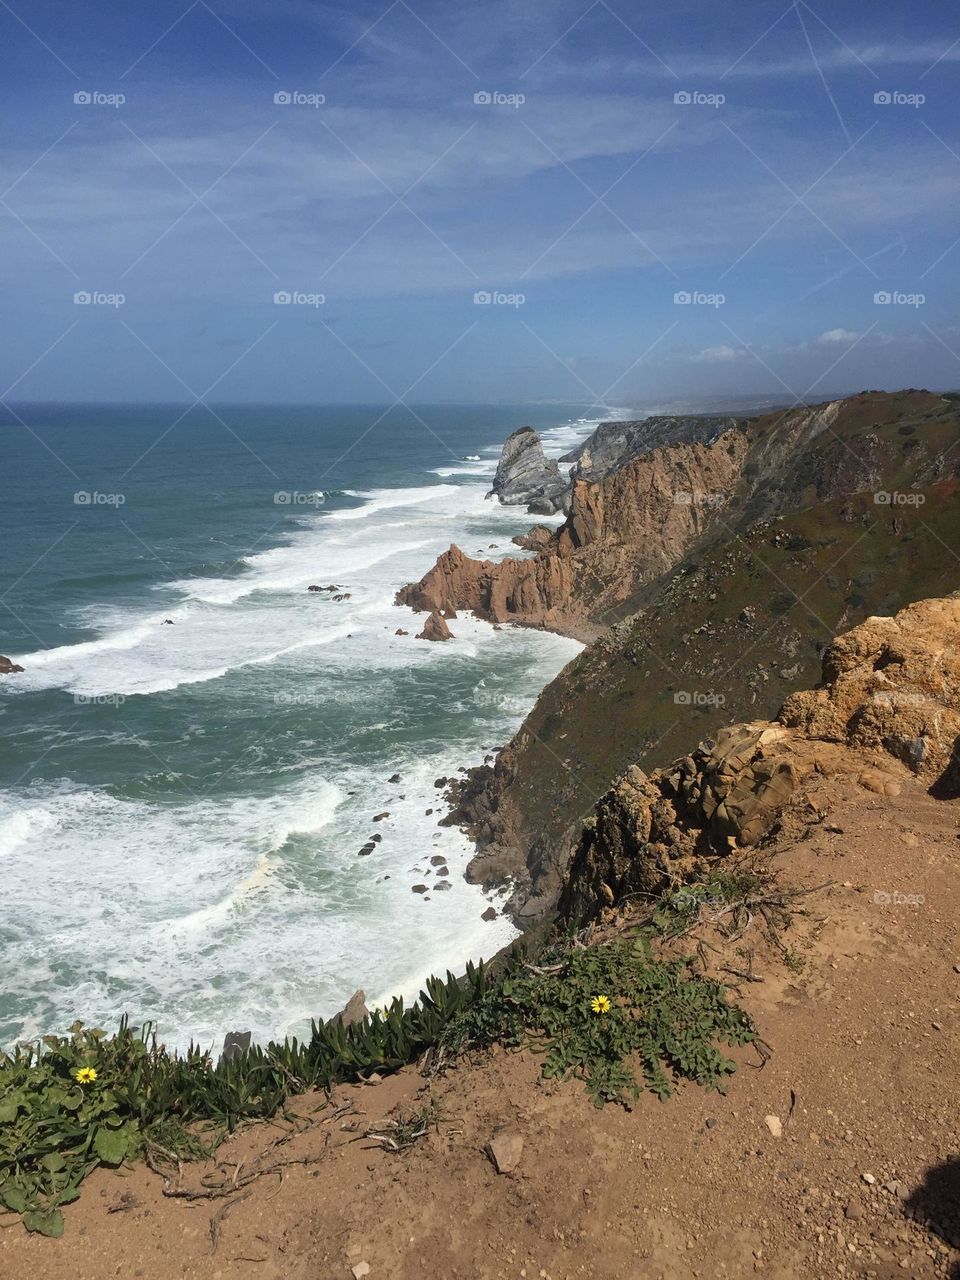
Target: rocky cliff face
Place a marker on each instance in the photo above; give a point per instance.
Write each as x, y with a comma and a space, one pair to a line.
619, 534
843, 510
613, 444
889, 702
526, 476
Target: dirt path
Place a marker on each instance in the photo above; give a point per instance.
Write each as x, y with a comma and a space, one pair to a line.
863, 1077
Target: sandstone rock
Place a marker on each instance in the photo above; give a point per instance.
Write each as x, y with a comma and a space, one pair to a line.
8, 667
893, 684
505, 1149
435, 628
775, 1125
355, 1010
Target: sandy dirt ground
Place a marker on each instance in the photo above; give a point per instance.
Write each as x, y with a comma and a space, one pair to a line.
863, 1180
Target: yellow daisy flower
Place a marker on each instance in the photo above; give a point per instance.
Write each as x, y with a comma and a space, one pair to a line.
86, 1075
600, 1004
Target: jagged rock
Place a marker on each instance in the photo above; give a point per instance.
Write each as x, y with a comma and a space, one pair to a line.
400, 632
235, 1043
355, 1010
505, 1149
888, 685
394, 777
379, 817
614, 443
313, 587
442, 884
893, 684
8, 667
526, 475
367, 849
435, 628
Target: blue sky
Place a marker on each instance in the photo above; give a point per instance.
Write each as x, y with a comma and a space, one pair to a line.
733, 154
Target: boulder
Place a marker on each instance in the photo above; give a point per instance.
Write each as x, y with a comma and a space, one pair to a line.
418, 888
435, 628
526, 475
8, 667
379, 817
395, 777
355, 1010
235, 1043
400, 632
489, 914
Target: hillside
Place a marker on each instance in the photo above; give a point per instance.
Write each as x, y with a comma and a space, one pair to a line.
811, 865
715, 610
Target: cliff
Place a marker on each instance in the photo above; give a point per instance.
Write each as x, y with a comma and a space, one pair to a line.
889, 702
702, 613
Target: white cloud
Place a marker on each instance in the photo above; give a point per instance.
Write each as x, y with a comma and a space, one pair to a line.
838, 335
718, 355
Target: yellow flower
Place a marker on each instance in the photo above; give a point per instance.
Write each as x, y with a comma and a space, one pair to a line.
86, 1075
600, 1004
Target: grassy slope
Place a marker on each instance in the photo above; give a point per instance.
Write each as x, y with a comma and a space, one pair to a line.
801, 578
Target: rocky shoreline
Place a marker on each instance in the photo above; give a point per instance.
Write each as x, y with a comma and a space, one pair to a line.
675, 519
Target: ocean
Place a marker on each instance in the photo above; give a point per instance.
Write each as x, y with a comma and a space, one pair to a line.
182, 806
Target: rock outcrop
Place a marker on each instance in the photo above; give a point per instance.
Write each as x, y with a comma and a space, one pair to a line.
613, 444
8, 667
526, 476
889, 703
435, 628
618, 535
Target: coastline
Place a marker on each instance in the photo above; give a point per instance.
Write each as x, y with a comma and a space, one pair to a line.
237, 897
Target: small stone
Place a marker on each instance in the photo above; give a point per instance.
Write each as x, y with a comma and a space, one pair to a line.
868, 1178
360, 1270
505, 1149
853, 1212
775, 1125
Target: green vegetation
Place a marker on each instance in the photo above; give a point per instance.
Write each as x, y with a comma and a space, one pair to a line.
601, 1010
71, 1103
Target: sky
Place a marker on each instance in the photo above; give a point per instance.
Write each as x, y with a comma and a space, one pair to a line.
518, 200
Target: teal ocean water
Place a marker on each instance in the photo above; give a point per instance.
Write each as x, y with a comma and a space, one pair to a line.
181, 806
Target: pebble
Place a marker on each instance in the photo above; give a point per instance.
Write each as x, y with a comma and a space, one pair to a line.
775, 1125
868, 1178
